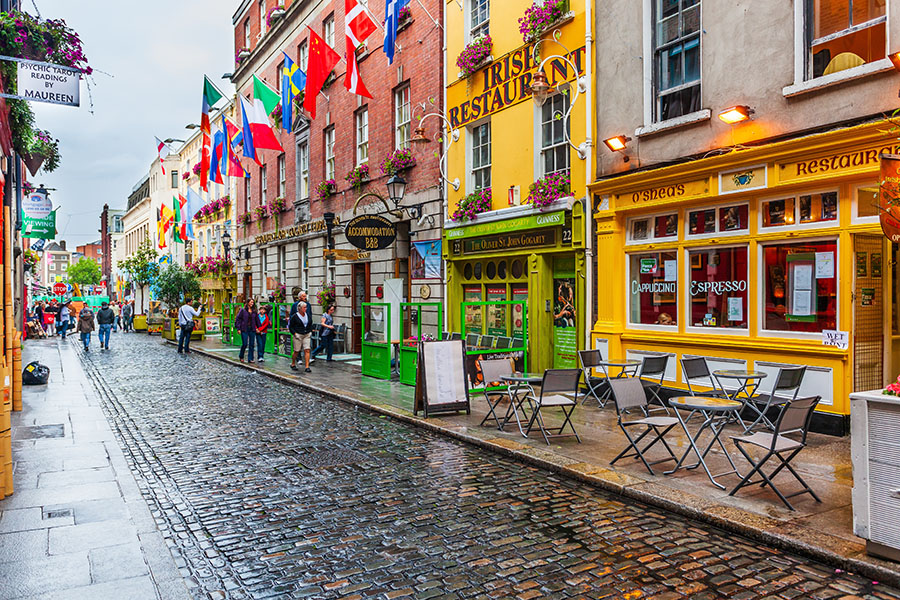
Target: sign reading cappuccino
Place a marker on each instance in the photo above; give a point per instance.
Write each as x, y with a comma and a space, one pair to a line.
370, 232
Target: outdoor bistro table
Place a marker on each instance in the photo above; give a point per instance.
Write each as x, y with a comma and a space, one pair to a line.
627, 368
749, 382
518, 393
717, 413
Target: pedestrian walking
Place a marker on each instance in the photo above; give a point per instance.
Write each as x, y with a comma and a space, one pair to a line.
106, 318
51, 316
245, 322
263, 324
62, 321
85, 327
186, 316
39, 315
126, 316
298, 299
301, 326
115, 324
326, 337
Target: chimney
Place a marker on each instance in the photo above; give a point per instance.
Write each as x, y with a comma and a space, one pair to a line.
62, 244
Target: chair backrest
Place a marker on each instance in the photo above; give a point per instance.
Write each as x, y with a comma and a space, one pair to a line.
654, 366
590, 358
487, 341
789, 380
628, 392
502, 343
455, 336
557, 381
517, 342
796, 416
471, 340
696, 368
494, 369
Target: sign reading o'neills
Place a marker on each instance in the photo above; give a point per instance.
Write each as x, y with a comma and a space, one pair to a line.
370, 232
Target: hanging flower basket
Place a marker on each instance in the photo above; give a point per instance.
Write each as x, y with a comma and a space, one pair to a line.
196, 169
246, 219
327, 296
358, 176
275, 13
541, 17
261, 212
398, 160
326, 189
474, 55
473, 204
548, 189
278, 205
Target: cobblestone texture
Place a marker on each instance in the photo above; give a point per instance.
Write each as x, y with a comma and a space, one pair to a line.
219, 455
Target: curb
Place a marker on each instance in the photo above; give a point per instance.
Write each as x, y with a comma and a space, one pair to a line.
805, 541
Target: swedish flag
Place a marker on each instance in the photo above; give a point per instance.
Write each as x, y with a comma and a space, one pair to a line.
293, 80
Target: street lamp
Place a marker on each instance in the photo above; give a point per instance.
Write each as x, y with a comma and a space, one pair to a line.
420, 139
396, 187
329, 226
226, 242
170, 140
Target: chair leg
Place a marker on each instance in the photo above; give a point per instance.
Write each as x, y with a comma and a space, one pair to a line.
806, 487
637, 450
775, 489
632, 444
568, 421
756, 468
491, 407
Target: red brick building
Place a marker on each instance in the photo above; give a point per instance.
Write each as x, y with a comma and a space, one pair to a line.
349, 131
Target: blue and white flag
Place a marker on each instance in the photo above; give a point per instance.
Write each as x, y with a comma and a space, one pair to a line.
391, 20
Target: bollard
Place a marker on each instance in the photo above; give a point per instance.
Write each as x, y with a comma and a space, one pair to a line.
17, 372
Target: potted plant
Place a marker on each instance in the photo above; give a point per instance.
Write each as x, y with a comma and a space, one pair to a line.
327, 295
246, 219
326, 189
540, 17
474, 55
548, 189
196, 169
43, 152
358, 176
398, 160
241, 55
30, 259
261, 212
471, 205
274, 13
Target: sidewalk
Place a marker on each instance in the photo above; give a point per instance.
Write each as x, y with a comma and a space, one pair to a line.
822, 530
77, 526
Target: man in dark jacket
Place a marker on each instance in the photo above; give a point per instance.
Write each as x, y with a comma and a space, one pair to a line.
301, 326
105, 319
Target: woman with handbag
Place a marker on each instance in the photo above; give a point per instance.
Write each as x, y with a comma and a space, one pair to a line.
245, 322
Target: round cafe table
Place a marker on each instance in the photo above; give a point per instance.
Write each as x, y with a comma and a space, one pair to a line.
521, 385
627, 368
717, 412
748, 382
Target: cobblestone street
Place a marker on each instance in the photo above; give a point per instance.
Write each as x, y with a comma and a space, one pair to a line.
262, 491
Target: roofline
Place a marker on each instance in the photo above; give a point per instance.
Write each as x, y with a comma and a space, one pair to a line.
242, 7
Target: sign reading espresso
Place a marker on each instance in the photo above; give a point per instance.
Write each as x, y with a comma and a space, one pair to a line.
513, 241
370, 232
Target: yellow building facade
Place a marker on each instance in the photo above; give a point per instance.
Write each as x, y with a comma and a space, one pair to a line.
516, 251
756, 259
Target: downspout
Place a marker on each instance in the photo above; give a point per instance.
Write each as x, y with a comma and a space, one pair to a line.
445, 190
588, 171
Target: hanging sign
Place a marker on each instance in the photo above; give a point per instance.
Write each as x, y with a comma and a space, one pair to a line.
46, 82
889, 196
38, 217
370, 232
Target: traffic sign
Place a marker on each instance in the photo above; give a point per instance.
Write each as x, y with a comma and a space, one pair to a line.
59, 289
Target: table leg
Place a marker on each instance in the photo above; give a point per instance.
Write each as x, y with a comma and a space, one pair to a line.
709, 422
516, 401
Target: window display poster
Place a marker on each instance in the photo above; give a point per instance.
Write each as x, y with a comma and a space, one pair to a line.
473, 313
735, 309
496, 313
875, 264
802, 304
648, 266
426, 260
867, 296
824, 265
564, 331
671, 270
862, 264
803, 277
519, 294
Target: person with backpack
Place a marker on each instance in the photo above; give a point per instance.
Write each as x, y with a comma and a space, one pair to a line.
186, 315
62, 319
106, 318
301, 326
263, 324
246, 323
85, 327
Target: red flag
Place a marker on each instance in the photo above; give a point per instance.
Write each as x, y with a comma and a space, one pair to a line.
358, 25
352, 80
322, 59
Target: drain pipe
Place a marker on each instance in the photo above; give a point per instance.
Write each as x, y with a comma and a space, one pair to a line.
588, 171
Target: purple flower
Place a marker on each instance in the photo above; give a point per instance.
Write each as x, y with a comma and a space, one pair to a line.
474, 54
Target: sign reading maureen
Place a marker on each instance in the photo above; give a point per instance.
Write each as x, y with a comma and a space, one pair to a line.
370, 232
45, 82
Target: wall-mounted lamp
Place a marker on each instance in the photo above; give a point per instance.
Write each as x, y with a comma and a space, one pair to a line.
420, 139
736, 114
895, 60
617, 143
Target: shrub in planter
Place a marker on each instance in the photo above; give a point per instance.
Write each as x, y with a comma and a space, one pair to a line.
196, 169
246, 219
474, 54
539, 17
326, 189
327, 295
278, 205
397, 161
358, 176
548, 189
261, 212
473, 204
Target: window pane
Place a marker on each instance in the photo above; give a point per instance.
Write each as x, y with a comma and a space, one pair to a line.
795, 298
718, 287
692, 60
702, 221
733, 218
653, 288
867, 202
640, 229
830, 16
818, 207
666, 226
778, 212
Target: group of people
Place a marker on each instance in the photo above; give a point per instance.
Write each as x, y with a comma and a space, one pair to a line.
254, 324
107, 321
57, 318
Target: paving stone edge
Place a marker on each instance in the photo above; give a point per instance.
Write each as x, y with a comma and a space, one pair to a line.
802, 540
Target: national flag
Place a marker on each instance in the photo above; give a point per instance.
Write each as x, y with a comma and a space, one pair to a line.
194, 202
185, 218
391, 21
358, 25
216, 161
293, 81
258, 133
231, 165
211, 95
352, 80
163, 151
176, 233
322, 59
235, 135
263, 92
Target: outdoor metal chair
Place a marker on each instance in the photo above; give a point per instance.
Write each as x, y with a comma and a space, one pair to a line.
556, 385
653, 371
628, 393
472, 340
596, 386
487, 342
696, 368
340, 338
492, 371
794, 418
788, 384
517, 342
455, 336
502, 343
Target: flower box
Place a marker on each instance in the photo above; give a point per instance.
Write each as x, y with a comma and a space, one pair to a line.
358, 176
274, 14
541, 17
474, 56
548, 189
326, 189
397, 161
473, 204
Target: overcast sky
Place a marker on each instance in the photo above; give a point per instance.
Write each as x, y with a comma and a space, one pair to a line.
155, 54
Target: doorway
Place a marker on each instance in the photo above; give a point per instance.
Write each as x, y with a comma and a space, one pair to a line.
360, 295
248, 286
868, 313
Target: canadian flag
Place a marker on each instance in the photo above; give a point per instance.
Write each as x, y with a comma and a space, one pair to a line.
358, 26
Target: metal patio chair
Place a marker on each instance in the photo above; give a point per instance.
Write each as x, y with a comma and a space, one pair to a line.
517, 342
556, 386
340, 338
472, 340
794, 418
696, 368
787, 386
628, 393
492, 371
503, 343
487, 342
652, 373
455, 336
597, 387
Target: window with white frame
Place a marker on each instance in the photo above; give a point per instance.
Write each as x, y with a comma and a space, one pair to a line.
819, 208
263, 186
652, 288
303, 151
402, 118
362, 135
303, 55
328, 30
866, 206
645, 229
282, 263
262, 15
304, 271
676, 62
481, 156
247, 33
247, 195
282, 176
718, 287
329, 152
721, 220
479, 18
554, 127
174, 179
279, 76
843, 34
264, 260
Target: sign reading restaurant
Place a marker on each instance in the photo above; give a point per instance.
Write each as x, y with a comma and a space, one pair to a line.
507, 81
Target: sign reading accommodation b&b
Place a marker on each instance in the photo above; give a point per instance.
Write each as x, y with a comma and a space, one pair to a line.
370, 232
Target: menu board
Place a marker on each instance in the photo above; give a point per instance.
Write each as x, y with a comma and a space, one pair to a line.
441, 379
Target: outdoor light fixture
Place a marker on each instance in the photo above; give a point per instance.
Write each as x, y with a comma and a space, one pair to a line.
192, 126
170, 140
329, 226
419, 136
226, 242
420, 139
396, 187
617, 143
540, 88
736, 114
895, 60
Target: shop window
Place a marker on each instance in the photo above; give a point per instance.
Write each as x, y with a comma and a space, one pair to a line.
472, 293
800, 286
490, 270
844, 34
806, 209
501, 269
677, 58
645, 229
867, 201
652, 288
722, 219
467, 271
476, 270
718, 287
516, 269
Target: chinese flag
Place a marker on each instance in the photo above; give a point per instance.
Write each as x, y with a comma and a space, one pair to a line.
322, 59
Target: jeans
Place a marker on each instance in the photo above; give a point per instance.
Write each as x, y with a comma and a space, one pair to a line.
261, 345
325, 343
104, 335
247, 344
115, 324
86, 339
62, 328
184, 339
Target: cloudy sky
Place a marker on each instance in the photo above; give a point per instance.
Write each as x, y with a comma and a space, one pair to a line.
149, 59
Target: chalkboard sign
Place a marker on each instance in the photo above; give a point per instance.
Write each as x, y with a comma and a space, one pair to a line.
441, 381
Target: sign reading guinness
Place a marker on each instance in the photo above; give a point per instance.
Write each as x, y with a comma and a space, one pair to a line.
370, 232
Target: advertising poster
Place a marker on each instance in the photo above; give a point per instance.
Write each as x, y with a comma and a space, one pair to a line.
473, 313
889, 196
427, 260
519, 294
496, 314
565, 343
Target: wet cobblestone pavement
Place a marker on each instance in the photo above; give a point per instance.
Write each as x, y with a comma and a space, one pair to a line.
264, 491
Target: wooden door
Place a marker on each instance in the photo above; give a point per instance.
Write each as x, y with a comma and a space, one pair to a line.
868, 313
360, 295
248, 286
